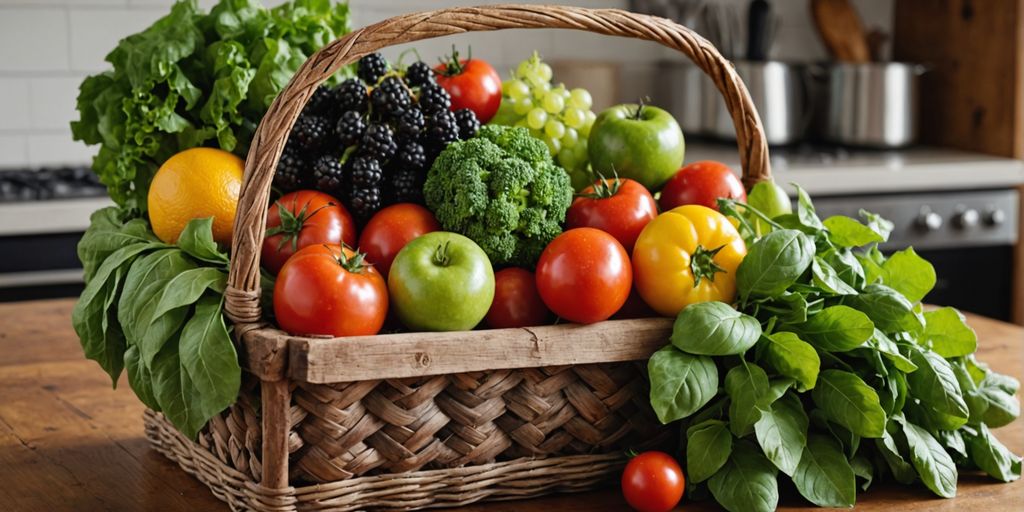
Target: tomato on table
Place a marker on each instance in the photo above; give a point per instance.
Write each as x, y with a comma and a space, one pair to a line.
701, 183
517, 302
653, 482
472, 83
392, 228
329, 290
620, 207
584, 275
300, 219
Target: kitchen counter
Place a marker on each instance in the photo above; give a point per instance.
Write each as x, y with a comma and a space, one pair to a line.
69, 442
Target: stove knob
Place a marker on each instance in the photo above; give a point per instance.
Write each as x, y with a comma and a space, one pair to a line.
994, 217
967, 218
928, 220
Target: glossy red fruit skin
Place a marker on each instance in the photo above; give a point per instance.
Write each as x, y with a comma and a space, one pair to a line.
584, 275
477, 86
516, 300
390, 229
701, 183
330, 224
653, 482
622, 215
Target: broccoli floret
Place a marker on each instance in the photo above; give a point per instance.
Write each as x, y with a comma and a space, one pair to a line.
501, 189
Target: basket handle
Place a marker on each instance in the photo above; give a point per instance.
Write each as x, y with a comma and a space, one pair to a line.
242, 294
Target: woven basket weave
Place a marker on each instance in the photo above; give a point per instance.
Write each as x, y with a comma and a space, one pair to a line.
418, 420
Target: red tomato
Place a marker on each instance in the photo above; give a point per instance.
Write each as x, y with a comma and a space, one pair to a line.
328, 290
472, 84
516, 301
300, 219
620, 207
701, 183
653, 482
584, 275
390, 229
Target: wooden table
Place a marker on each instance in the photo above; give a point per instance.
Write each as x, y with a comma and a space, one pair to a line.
69, 442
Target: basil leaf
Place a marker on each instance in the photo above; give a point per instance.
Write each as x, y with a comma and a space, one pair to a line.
864, 470
837, 329
909, 274
948, 334
148, 276
747, 386
936, 386
824, 476
794, 358
174, 390
848, 232
680, 383
902, 470
953, 442
708, 446
847, 266
107, 234
197, 241
782, 432
787, 308
846, 400
871, 261
208, 356
747, 482
185, 289
877, 224
888, 348
992, 457
1006, 383
1002, 408
933, 464
805, 209
139, 378
714, 329
826, 278
773, 263
890, 311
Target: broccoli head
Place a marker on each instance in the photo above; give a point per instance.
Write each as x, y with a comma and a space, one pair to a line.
501, 189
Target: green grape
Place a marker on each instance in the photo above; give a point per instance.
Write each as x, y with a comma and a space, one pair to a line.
570, 138
553, 102
581, 99
588, 122
521, 124
537, 134
573, 117
554, 129
567, 158
540, 91
564, 92
536, 118
580, 151
544, 72
523, 106
524, 69
516, 89
553, 144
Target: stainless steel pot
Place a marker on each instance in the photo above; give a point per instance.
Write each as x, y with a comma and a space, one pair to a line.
781, 95
873, 105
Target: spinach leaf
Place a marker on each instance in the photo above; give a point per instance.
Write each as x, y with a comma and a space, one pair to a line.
848, 401
782, 432
174, 390
992, 457
847, 266
147, 277
1007, 384
824, 476
708, 445
794, 358
197, 241
773, 263
748, 388
864, 470
933, 464
139, 378
680, 383
714, 329
185, 289
948, 334
1001, 407
837, 329
878, 224
888, 348
826, 278
848, 232
889, 310
909, 274
953, 442
902, 470
805, 210
747, 482
208, 356
936, 386
107, 234
789, 307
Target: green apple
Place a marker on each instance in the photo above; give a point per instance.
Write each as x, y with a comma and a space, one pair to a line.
441, 281
639, 142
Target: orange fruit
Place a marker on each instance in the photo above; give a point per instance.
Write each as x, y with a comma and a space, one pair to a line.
195, 184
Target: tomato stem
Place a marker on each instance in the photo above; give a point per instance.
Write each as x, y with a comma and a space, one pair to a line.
452, 66
702, 264
291, 224
604, 187
354, 264
441, 256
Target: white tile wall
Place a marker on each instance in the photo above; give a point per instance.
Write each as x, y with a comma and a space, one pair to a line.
48, 46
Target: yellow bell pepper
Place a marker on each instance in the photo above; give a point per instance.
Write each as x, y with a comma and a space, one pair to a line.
687, 255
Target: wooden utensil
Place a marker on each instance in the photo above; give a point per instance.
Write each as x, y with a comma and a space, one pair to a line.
841, 29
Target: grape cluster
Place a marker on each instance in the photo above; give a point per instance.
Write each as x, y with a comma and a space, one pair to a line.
371, 139
559, 116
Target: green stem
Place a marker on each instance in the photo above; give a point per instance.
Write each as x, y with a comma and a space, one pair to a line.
441, 256
702, 264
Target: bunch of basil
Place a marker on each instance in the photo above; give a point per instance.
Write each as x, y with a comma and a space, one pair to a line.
194, 79
154, 310
828, 370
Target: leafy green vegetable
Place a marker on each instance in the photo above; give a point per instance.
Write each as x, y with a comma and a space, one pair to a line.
714, 329
992, 457
793, 358
747, 386
681, 383
746, 483
824, 476
708, 445
782, 432
501, 189
837, 329
936, 386
775, 263
194, 79
847, 232
909, 274
848, 401
933, 464
948, 333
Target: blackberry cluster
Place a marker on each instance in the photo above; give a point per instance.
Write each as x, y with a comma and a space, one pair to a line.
371, 139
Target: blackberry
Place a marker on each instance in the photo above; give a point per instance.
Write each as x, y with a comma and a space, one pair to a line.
410, 125
329, 174
366, 173
379, 142
390, 99
350, 128
418, 74
442, 129
468, 123
352, 95
291, 171
372, 67
411, 156
310, 133
433, 98
406, 186
364, 202
321, 103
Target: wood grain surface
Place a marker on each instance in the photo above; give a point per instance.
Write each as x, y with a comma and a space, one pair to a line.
70, 442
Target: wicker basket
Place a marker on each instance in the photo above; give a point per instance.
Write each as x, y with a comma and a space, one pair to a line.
419, 420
